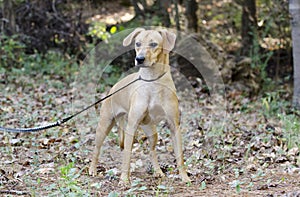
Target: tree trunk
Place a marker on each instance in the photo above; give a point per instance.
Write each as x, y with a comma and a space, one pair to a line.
176, 15
139, 7
294, 7
9, 18
191, 7
249, 26
159, 9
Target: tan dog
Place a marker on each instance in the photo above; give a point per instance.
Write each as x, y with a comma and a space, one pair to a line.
144, 104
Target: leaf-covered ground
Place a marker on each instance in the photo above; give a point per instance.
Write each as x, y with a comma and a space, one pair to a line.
251, 148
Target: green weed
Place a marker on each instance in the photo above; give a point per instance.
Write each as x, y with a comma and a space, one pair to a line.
291, 129
275, 107
12, 52
113, 194
68, 184
203, 185
136, 187
162, 189
260, 60
237, 185
273, 103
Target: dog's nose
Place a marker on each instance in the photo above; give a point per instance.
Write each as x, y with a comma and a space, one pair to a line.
140, 59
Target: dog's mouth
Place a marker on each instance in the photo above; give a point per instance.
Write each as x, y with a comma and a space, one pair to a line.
141, 66
144, 65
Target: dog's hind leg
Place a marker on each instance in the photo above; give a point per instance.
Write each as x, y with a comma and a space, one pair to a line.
104, 126
121, 129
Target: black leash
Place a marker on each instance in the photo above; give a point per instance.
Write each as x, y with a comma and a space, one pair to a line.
60, 122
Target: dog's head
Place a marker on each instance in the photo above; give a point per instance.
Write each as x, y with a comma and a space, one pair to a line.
150, 45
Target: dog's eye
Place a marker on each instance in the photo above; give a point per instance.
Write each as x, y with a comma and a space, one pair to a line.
153, 44
138, 44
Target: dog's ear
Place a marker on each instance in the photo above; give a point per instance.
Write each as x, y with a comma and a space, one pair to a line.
168, 40
127, 41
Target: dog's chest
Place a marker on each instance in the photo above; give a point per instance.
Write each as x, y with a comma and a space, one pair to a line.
158, 98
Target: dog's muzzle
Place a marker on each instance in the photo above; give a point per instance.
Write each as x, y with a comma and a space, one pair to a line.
140, 59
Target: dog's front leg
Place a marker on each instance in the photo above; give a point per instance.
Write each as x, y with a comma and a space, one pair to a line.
134, 118
129, 136
177, 144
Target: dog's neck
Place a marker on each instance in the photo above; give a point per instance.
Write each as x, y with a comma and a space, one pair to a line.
156, 70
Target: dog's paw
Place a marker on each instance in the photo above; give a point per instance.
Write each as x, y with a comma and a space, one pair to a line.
158, 173
124, 183
93, 171
185, 178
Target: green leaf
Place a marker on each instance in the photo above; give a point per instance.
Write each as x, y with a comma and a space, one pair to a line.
135, 183
96, 185
238, 188
162, 187
143, 188
113, 194
203, 185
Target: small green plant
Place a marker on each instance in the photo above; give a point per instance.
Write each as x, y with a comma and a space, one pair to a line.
291, 129
275, 107
260, 60
12, 52
203, 185
113, 194
250, 186
236, 172
136, 187
273, 104
161, 189
237, 185
260, 173
68, 184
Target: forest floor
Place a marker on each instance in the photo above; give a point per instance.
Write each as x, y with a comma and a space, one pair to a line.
240, 150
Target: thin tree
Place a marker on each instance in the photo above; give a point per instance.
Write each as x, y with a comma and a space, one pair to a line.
159, 8
249, 26
191, 8
294, 7
9, 18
